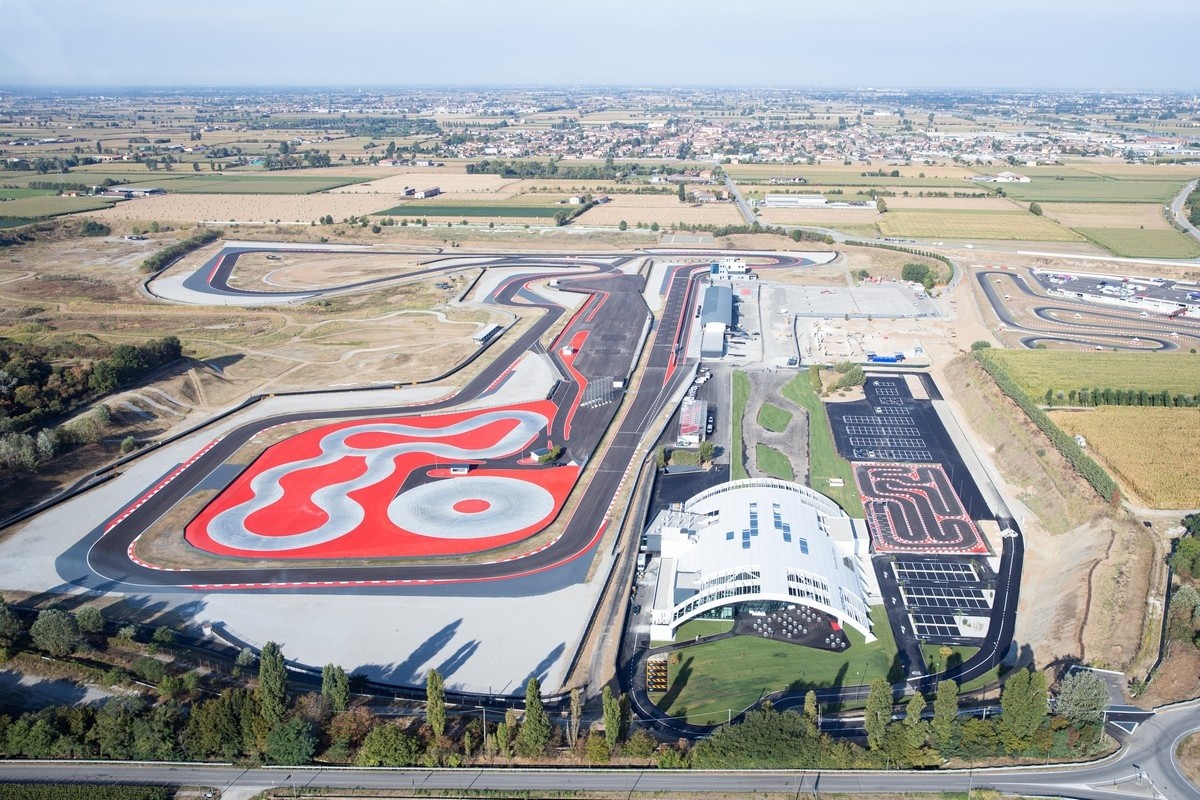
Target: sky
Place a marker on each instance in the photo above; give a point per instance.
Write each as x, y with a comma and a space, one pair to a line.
1030, 44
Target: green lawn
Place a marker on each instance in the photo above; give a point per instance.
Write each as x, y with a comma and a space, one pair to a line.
1138, 243
702, 627
48, 205
774, 418
731, 674
823, 459
489, 210
773, 462
741, 396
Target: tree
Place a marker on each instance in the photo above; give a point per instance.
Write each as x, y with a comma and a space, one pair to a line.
388, 746
611, 707
622, 225
881, 205
291, 743
707, 450
435, 702
945, 714
682, 193
535, 730
812, 711
576, 714
335, 687
916, 730
89, 620
878, 712
1035, 209
1082, 698
1023, 708
55, 631
272, 685
10, 626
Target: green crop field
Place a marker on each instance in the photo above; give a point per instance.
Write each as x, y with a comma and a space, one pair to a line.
774, 418
206, 182
824, 462
415, 210
741, 396
715, 678
1035, 371
1139, 243
48, 205
1092, 190
968, 224
773, 462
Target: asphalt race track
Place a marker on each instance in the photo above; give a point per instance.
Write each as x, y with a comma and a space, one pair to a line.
915, 509
1058, 320
102, 559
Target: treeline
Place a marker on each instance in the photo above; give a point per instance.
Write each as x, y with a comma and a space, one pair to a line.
565, 217
307, 159
265, 722
919, 273
1084, 464
168, 255
911, 251
1183, 612
1121, 397
553, 169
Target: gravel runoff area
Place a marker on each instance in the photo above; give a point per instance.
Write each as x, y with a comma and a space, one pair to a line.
466, 632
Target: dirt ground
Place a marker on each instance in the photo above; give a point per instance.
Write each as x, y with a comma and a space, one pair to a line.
317, 270
1086, 590
663, 209
792, 441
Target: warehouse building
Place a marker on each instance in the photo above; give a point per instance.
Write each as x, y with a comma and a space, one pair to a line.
716, 317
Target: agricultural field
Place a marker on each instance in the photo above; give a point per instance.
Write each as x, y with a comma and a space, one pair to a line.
49, 205
666, 210
1152, 451
966, 224
819, 217
245, 208
1092, 190
1107, 215
1035, 371
396, 179
1136, 242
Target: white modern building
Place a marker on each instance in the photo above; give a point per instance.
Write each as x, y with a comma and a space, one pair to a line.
795, 201
759, 545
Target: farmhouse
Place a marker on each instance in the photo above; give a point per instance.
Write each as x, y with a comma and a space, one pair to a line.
759, 545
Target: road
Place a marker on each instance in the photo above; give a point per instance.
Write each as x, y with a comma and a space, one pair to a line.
743, 208
1177, 210
1149, 750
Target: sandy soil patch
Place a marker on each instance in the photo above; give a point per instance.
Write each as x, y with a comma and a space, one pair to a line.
975, 203
1177, 678
318, 270
820, 217
247, 208
1108, 215
664, 209
494, 186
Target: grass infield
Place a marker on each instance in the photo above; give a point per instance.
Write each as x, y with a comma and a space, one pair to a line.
773, 462
824, 463
774, 418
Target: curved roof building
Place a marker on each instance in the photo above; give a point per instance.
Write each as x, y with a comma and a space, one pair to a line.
756, 544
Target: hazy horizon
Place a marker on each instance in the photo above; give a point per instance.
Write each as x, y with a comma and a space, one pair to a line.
922, 45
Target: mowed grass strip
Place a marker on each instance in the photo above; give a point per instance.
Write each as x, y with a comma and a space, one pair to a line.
773, 462
968, 224
1152, 450
1035, 371
774, 418
824, 463
741, 396
415, 211
1139, 243
715, 678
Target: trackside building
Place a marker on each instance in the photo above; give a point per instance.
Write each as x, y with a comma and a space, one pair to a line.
716, 317
759, 545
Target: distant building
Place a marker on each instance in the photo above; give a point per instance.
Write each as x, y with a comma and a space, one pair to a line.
422, 194
716, 317
795, 201
576, 199
1001, 177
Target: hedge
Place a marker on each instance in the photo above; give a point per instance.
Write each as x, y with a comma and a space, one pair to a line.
168, 255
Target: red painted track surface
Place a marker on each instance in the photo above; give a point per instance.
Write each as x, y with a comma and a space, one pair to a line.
376, 536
